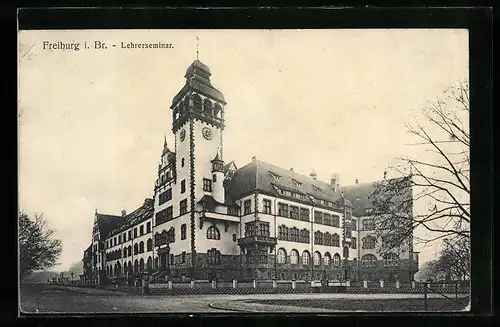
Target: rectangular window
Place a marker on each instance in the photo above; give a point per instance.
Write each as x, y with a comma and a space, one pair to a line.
354, 243
318, 217
263, 230
267, 206
354, 224
135, 232
183, 257
368, 224
161, 217
119, 239
165, 196
148, 227
294, 212
207, 185
327, 219
304, 214
124, 237
129, 235
183, 186
170, 213
183, 207
171, 259
183, 231
283, 209
335, 221
141, 230
247, 207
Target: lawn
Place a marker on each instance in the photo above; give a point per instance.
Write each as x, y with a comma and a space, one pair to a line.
373, 305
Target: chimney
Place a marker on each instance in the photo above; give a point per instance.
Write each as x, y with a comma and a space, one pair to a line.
334, 182
124, 213
356, 181
254, 158
385, 174
291, 169
313, 175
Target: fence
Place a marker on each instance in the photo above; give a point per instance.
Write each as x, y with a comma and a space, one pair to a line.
284, 286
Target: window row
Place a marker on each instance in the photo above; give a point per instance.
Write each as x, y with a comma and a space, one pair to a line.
168, 213
326, 218
318, 259
199, 105
293, 234
260, 229
294, 212
165, 237
368, 242
133, 233
127, 251
328, 239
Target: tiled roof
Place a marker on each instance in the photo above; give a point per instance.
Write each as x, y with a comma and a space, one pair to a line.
106, 223
359, 195
141, 214
258, 175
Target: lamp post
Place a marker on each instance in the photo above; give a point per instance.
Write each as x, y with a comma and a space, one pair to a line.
71, 273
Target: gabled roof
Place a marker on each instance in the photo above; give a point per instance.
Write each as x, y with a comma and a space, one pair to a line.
106, 223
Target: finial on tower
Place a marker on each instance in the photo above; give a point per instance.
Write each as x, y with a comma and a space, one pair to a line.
197, 45
165, 140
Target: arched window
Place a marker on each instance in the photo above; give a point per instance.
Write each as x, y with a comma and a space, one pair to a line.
150, 264
368, 242
136, 248
207, 106
368, 260
326, 259
281, 255
118, 268
336, 260
129, 269
111, 270
213, 233
129, 250
317, 258
141, 247
197, 102
218, 110
306, 257
136, 266
141, 265
327, 239
107, 270
390, 260
149, 245
294, 257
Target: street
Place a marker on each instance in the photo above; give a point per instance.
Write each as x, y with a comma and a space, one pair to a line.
42, 298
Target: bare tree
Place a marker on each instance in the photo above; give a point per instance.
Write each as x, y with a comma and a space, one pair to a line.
38, 249
440, 179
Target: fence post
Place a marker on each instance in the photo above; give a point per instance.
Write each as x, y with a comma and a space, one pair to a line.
170, 286
275, 285
214, 284
254, 283
348, 283
397, 284
235, 283
381, 283
365, 284
192, 284
294, 285
413, 284
425, 296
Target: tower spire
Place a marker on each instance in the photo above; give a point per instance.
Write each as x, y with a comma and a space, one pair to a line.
197, 45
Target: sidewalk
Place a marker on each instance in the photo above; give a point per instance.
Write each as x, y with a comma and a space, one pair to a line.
242, 306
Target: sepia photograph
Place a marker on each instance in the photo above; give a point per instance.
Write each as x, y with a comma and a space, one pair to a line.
238, 171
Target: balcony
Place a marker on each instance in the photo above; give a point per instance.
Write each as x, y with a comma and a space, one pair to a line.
257, 239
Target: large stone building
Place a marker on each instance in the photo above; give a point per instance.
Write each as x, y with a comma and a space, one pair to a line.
209, 219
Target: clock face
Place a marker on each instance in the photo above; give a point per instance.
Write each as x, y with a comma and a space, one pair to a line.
207, 133
183, 135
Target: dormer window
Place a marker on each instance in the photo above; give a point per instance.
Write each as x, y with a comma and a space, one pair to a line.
275, 176
317, 189
297, 183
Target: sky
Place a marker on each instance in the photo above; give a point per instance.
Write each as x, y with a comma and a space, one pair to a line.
92, 122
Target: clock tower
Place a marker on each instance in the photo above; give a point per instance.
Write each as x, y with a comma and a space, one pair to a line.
198, 125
